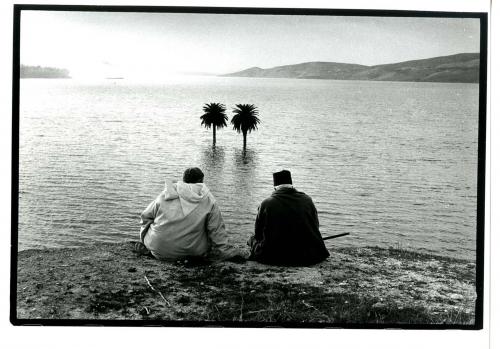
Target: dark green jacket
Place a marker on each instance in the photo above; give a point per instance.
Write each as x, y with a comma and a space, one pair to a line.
287, 230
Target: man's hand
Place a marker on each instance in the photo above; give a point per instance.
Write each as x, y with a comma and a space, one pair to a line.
251, 241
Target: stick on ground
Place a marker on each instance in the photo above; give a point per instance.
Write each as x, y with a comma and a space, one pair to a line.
155, 290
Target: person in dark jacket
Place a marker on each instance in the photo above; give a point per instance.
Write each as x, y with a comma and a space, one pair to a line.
287, 227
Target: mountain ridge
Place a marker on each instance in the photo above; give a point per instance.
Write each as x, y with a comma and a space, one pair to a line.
461, 67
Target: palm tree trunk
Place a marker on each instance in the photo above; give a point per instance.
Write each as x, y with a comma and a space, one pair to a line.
214, 138
244, 141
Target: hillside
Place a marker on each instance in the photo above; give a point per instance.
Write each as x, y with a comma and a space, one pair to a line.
28, 71
462, 67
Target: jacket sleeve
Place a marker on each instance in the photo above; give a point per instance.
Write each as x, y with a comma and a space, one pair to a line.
315, 214
258, 240
218, 236
148, 217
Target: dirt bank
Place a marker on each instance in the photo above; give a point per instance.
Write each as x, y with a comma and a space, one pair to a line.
355, 285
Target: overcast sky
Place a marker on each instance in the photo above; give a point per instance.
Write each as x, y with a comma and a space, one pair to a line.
158, 44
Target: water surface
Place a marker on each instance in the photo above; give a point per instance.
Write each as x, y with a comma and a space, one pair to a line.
392, 163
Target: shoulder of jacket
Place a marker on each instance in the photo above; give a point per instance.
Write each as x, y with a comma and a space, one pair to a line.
307, 198
267, 201
211, 202
211, 198
305, 195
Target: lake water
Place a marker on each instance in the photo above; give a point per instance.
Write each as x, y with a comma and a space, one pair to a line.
392, 163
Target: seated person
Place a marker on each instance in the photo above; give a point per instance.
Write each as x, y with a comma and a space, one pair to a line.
287, 227
185, 221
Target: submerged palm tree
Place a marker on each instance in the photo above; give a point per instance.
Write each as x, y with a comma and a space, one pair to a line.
214, 117
245, 120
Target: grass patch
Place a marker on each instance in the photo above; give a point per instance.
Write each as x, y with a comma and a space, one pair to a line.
355, 286
220, 294
104, 302
302, 303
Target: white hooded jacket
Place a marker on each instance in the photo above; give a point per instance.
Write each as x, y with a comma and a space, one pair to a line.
184, 220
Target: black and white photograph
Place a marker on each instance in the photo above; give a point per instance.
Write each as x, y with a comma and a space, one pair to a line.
248, 167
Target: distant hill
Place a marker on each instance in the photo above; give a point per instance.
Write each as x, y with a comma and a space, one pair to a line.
462, 67
28, 71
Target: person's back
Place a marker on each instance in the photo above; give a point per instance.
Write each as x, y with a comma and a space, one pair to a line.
287, 228
185, 220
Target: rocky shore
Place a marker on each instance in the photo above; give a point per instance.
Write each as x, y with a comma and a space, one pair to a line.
368, 285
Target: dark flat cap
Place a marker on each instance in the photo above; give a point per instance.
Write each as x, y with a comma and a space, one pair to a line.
282, 177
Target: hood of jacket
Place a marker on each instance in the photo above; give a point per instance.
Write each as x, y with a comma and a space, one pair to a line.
189, 194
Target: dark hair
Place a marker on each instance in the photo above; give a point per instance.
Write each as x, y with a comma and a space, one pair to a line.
193, 175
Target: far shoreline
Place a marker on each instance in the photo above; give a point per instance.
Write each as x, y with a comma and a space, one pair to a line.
162, 81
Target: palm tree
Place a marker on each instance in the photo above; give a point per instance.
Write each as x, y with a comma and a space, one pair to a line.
245, 120
214, 117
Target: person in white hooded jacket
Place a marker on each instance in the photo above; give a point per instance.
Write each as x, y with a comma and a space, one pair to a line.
185, 221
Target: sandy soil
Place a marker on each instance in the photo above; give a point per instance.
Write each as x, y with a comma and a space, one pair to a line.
354, 286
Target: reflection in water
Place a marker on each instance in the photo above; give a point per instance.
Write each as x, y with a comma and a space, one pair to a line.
244, 170
233, 185
244, 185
244, 158
213, 157
212, 164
